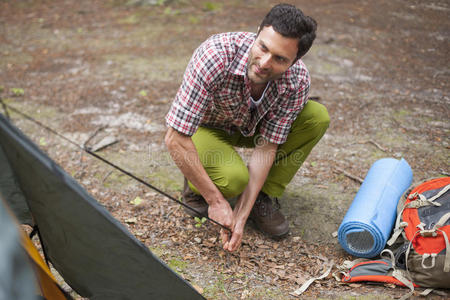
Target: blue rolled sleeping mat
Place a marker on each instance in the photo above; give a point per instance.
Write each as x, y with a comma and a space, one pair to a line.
371, 216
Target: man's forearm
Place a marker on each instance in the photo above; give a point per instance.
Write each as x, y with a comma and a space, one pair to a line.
259, 166
185, 156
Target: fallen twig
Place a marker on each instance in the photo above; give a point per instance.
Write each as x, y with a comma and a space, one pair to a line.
237, 288
93, 135
375, 144
398, 124
105, 142
106, 176
436, 74
351, 176
171, 211
80, 173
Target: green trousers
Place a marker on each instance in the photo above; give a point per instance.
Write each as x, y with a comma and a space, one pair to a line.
228, 171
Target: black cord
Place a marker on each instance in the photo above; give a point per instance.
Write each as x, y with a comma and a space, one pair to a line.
88, 151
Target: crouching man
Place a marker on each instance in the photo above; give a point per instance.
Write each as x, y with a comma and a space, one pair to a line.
243, 89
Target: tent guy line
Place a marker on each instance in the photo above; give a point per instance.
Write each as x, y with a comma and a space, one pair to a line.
88, 151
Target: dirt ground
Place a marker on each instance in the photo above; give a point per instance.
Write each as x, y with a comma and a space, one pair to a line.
113, 67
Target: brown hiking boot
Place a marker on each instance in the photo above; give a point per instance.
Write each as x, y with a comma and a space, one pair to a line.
268, 218
195, 201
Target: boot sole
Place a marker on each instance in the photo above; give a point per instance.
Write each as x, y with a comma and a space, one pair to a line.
272, 236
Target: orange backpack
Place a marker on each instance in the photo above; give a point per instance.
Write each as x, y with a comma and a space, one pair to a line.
419, 255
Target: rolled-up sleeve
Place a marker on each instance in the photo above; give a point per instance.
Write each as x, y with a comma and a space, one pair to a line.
202, 76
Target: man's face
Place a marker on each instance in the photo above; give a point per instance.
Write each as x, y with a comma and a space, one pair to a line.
270, 56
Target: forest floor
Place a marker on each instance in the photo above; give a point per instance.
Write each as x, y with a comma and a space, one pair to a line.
113, 67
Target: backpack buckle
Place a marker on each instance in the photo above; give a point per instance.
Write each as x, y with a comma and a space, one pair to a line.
412, 196
433, 260
428, 233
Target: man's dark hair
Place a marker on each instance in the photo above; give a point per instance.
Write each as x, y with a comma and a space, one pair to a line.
289, 21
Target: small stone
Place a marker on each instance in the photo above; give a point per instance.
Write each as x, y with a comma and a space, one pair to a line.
197, 240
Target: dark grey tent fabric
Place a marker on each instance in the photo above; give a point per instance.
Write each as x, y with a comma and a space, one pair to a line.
10, 191
17, 280
93, 252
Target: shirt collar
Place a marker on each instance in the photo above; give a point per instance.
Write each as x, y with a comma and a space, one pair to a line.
240, 60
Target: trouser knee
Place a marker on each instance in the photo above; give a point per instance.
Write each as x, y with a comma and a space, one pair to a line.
232, 181
313, 117
322, 120
321, 115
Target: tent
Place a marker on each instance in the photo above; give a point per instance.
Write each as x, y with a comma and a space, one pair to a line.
31, 278
94, 253
16, 276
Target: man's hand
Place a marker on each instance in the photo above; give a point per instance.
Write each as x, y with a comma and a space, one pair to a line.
221, 212
260, 163
232, 242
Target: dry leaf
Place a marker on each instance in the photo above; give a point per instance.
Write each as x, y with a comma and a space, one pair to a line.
188, 257
296, 239
275, 266
259, 242
151, 194
262, 246
245, 294
136, 201
282, 274
208, 244
132, 220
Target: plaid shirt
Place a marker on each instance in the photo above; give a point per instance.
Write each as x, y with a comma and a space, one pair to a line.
216, 92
